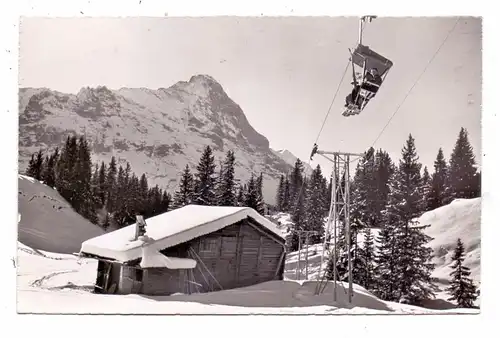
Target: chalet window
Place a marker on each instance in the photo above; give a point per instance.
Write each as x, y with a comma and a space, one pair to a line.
208, 245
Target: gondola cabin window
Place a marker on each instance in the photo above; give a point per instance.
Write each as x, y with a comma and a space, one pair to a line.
208, 245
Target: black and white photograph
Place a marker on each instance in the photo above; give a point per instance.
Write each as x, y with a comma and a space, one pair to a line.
249, 165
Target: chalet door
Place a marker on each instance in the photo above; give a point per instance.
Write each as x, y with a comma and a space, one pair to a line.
102, 268
248, 272
226, 266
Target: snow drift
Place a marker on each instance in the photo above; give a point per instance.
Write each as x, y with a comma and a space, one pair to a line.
459, 219
47, 221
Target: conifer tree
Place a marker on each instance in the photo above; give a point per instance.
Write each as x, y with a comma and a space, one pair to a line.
134, 201
39, 165
279, 194
386, 273
218, 185
462, 168
102, 184
327, 194
94, 186
126, 201
260, 206
367, 256
35, 166
126, 196
111, 191
241, 196
413, 266
462, 288
296, 184
437, 194
363, 204
205, 180
286, 195
315, 209
49, 172
66, 170
426, 188
31, 170
143, 194
184, 195
426, 179
227, 191
251, 193
364, 192
166, 200
384, 169
298, 218
155, 201
83, 176
120, 215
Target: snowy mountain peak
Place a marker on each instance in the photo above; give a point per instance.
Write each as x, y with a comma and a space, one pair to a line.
201, 85
290, 158
285, 152
205, 79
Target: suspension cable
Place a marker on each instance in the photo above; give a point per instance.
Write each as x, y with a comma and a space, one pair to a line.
418, 79
319, 134
333, 100
414, 85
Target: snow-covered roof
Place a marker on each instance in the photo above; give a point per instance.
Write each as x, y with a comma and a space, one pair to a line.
155, 259
171, 228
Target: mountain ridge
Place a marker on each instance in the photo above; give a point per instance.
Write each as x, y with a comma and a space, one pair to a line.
157, 131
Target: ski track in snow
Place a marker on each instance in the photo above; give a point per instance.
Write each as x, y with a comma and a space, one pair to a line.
39, 282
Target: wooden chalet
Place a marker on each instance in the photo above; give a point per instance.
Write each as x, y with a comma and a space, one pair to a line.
188, 250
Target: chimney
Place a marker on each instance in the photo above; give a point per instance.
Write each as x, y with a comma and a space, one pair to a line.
140, 227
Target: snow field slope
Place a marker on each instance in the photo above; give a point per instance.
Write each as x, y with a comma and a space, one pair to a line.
459, 219
47, 221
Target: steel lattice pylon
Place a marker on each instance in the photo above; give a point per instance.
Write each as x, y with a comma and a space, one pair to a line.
339, 206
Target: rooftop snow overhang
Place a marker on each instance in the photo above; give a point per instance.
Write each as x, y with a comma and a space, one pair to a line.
172, 228
154, 259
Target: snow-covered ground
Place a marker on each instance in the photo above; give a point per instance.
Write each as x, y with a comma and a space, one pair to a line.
59, 283
48, 221
283, 221
459, 219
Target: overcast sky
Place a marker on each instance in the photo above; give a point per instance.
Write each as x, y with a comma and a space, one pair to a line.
283, 72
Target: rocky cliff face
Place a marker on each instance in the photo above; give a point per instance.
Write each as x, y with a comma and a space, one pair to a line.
157, 131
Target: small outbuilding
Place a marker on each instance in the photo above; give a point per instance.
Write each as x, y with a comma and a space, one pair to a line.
187, 250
